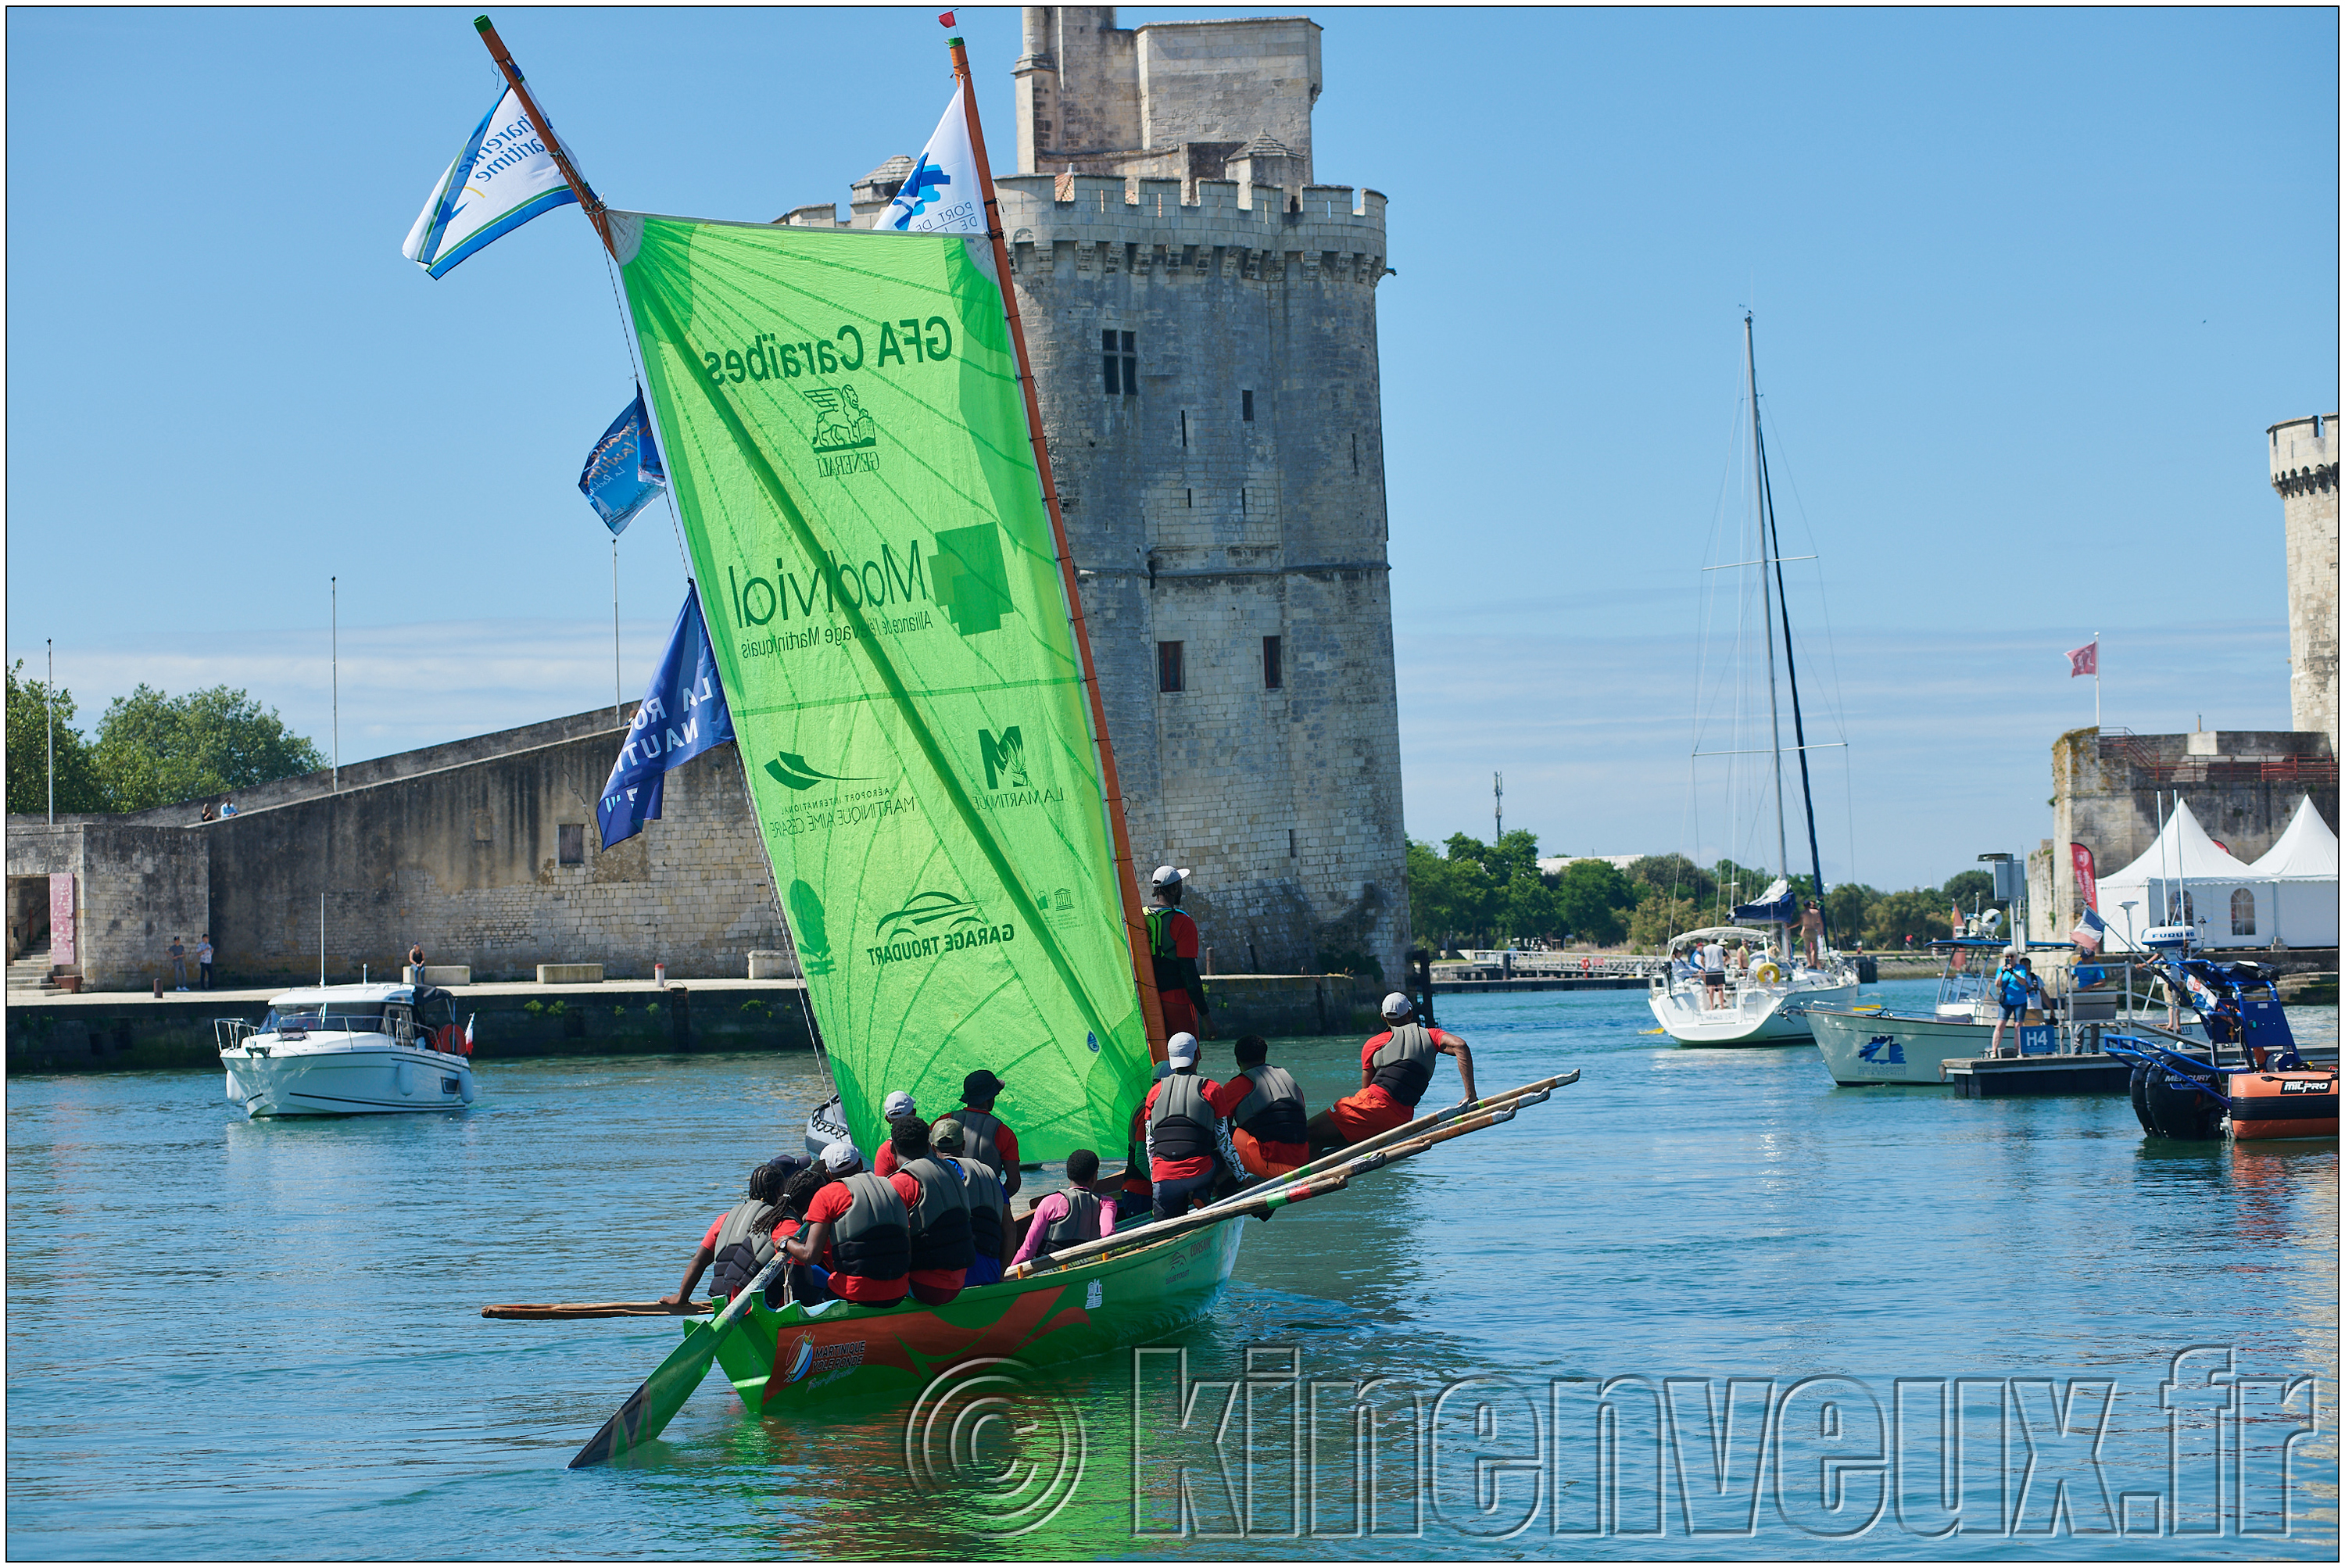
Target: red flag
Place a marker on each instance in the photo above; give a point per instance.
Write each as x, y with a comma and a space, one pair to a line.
2083, 858
2086, 661
944, 19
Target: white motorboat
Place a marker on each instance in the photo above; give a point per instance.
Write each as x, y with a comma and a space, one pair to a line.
1751, 1008
349, 1050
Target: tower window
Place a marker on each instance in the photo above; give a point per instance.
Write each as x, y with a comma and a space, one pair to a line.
1273, 666
1119, 363
1290, 843
1246, 405
1184, 428
569, 843
1170, 676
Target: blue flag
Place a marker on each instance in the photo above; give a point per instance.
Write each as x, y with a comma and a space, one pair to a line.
623, 473
682, 716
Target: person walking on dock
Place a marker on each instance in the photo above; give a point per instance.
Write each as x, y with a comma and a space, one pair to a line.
2012, 983
1396, 1069
1173, 944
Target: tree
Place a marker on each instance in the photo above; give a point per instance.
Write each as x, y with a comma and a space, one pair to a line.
1847, 909
28, 751
1526, 906
1591, 900
1920, 912
1673, 876
1964, 887
155, 750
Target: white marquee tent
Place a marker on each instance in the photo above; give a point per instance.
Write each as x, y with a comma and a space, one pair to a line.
2299, 875
2186, 877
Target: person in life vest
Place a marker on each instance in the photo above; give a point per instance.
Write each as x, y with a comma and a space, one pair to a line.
2012, 984
990, 1141
896, 1109
1172, 944
1396, 1067
789, 1214
858, 1240
738, 1242
1182, 1127
989, 1229
1133, 1188
941, 1250
1064, 1218
1267, 1123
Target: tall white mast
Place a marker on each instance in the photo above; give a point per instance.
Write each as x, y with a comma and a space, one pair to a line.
1766, 602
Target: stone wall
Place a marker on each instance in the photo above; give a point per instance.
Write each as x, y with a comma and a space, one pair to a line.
136, 887
2241, 785
2304, 472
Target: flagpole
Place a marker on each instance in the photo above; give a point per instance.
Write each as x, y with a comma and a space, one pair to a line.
587, 200
2096, 681
1135, 925
617, 690
334, 663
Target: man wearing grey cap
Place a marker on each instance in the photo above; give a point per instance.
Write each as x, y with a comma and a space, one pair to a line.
1173, 944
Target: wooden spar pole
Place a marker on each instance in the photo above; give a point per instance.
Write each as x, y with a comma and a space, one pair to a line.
1135, 925
591, 203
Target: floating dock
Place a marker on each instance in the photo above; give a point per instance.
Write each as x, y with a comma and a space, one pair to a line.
2005, 1077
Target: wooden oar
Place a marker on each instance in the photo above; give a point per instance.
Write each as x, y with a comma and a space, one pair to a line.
651, 1406
1149, 1235
534, 1311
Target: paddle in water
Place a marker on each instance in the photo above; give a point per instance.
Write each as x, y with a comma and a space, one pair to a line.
651, 1406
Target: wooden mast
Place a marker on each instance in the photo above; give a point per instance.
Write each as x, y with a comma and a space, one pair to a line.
1135, 925
578, 186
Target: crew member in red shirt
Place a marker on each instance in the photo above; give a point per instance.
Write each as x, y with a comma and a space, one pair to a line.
1265, 1106
1182, 1128
941, 1249
733, 1241
986, 1138
1172, 944
896, 1108
1396, 1067
858, 1238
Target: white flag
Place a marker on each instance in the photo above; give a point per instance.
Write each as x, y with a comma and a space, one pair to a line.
940, 196
502, 179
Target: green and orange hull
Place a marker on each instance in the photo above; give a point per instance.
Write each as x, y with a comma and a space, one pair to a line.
792, 1360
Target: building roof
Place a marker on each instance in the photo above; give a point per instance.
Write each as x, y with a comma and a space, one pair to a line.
2307, 852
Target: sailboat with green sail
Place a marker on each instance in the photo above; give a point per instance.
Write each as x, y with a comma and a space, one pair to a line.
854, 443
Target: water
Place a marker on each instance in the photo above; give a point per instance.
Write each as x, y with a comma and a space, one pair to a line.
238, 1339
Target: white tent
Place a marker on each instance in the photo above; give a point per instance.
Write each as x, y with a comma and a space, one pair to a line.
2298, 876
2186, 877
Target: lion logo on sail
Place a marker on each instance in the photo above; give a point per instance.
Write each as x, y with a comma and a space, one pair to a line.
845, 437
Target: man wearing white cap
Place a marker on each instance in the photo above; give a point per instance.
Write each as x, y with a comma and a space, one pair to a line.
1395, 1068
896, 1108
1182, 1129
857, 1237
1173, 944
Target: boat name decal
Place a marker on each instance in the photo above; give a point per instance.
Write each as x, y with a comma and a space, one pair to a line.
1871, 1051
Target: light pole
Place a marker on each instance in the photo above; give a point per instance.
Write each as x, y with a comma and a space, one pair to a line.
49, 698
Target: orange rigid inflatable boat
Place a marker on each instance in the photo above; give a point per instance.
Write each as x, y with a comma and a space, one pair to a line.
2284, 1105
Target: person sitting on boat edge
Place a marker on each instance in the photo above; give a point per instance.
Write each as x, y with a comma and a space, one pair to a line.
894, 1109
1182, 1125
858, 1238
740, 1235
1063, 1219
1396, 1069
1268, 1123
991, 1234
990, 1140
941, 1249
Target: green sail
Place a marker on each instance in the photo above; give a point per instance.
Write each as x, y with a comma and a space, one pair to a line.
841, 420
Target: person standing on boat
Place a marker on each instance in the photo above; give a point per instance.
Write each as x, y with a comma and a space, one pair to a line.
1063, 1219
991, 1141
1173, 944
2012, 983
897, 1109
1711, 957
1182, 1125
990, 1230
1812, 933
1268, 1120
941, 1249
858, 1240
1396, 1069
741, 1236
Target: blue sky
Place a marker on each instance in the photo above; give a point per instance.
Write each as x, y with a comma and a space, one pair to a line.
2029, 287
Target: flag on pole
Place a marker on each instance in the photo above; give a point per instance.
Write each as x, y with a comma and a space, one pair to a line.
622, 472
2090, 929
2086, 661
504, 177
681, 715
940, 196
2082, 859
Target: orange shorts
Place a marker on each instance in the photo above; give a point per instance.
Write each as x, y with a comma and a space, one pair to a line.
1267, 1159
1368, 1112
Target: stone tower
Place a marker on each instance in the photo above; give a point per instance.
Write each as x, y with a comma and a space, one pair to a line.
1203, 322
2304, 472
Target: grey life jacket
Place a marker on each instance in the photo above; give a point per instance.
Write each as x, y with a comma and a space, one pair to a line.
1081, 1222
941, 1236
1403, 1064
1181, 1124
744, 1244
873, 1239
988, 1201
977, 1130
1273, 1112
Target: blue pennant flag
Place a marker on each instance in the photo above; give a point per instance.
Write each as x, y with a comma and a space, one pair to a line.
623, 473
682, 716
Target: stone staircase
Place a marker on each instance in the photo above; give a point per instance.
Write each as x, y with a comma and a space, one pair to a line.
31, 973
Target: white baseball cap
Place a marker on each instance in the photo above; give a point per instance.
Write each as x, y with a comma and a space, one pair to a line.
1181, 1050
1167, 875
1397, 1006
898, 1106
841, 1158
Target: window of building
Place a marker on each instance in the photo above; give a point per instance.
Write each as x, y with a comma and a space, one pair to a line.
569, 843
1245, 401
1290, 843
2243, 913
1169, 673
1119, 363
1184, 427
1273, 667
